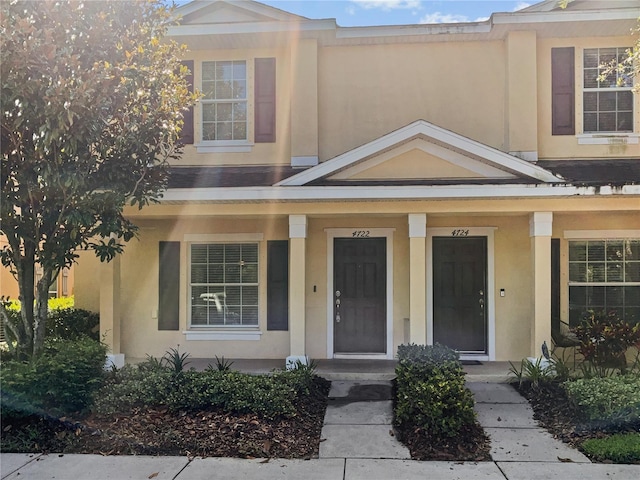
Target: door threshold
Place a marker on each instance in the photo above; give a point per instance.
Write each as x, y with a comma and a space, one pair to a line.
483, 357
360, 356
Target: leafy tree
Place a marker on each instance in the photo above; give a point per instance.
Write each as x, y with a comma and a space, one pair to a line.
92, 100
629, 66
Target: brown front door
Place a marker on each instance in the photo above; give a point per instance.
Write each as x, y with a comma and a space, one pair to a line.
459, 293
360, 305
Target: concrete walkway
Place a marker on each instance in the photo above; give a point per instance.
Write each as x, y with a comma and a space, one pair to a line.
358, 422
356, 445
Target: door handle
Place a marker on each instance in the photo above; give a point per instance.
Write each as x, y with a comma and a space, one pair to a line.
338, 306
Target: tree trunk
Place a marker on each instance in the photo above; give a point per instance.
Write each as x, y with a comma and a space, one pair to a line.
26, 280
41, 311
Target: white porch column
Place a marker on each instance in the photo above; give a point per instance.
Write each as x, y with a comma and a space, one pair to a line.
540, 230
297, 269
110, 304
417, 278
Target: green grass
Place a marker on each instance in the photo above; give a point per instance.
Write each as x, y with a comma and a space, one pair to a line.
619, 448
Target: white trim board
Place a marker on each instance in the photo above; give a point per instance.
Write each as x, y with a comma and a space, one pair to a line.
433, 134
333, 233
390, 192
600, 234
487, 232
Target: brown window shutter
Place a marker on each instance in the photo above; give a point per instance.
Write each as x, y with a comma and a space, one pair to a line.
278, 285
265, 93
169, 286
187, 127
563, 111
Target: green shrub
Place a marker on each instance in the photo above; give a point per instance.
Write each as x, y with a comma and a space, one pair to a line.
63, 322
153, 384
431, 393
609, 400
132, 387
72, 323
619, 448
60, 381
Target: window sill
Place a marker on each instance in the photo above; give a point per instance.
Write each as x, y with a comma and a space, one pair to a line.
224, 147
234, 335
608, 139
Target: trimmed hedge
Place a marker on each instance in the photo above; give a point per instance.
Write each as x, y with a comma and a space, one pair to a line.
60, 381
151, 385
431, 392
607, 401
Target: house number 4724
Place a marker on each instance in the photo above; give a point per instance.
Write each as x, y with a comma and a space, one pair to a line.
460, 233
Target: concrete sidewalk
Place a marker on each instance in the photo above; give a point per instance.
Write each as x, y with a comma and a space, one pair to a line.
351, 450
16, 466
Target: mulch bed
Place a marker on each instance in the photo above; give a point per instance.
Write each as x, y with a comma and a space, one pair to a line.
206, 433
214, 433
471, 445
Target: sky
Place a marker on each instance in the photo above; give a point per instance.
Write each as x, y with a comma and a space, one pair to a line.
349, 13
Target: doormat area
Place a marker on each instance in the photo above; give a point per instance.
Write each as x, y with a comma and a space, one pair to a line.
471, 362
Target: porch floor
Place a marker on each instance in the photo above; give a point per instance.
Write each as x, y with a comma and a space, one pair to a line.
347, 369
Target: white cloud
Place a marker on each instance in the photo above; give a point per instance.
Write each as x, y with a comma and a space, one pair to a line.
521, 5
438, 17
387, 4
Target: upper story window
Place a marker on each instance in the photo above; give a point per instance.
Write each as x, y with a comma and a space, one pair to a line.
607, 102
224, 102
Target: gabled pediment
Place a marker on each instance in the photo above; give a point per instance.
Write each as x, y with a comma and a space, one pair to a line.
419, 159
213, 12
423, 152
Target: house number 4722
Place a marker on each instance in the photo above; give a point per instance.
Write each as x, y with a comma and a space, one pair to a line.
460, 233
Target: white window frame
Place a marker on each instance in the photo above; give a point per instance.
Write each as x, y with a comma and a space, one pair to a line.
222, 332
595, 235
227, 146
603, 137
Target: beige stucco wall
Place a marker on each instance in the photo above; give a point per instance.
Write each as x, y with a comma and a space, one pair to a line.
87, 281
566, 146
367, 91
139, 284
520, 119
512, 261
139, 294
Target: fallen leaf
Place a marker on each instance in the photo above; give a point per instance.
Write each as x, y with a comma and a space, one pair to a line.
266, 446
266, 460
153, 475
565, 460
